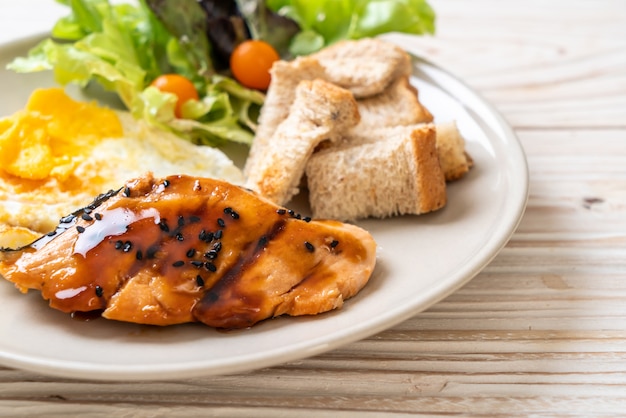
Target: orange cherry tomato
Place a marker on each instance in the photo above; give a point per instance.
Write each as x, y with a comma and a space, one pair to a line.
178, 85
251, 62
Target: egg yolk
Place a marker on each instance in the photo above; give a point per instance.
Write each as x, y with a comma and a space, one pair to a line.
52, 133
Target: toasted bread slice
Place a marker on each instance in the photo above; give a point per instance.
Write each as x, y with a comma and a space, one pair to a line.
396, 176
344, 65
286, 75
320, 112
396, 105
455, 161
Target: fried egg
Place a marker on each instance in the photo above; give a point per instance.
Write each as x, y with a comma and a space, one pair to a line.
57, 154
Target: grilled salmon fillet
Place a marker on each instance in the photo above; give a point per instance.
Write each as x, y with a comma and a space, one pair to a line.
185, 249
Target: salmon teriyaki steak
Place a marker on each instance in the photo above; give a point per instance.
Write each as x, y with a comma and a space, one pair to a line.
186, 249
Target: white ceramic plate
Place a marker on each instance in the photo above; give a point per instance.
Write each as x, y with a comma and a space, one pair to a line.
422, 259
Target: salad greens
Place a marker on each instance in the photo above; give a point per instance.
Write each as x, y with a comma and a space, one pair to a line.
323, 22
125, 46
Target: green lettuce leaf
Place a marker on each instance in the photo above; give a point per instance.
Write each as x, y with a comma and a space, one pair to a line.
211, 121
72, 63
324, 22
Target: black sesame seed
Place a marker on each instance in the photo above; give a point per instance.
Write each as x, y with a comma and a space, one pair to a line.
196, 263
218, 246
218, 234
234, 215
281, 211
151, 251
221, 222
291, 212
199, 281
139, 255
178, 263
99, 291
194, 219
126, 192
298, 216
211, 255
228, 210
191, 252
180, 237
307, 219
67, 219
163, 226
127, 246
98, 216
310, 248
80, 229
263, 241
87, 210
210, 266
86, 217
202, 235
334, 243
119, 245
166, 183
51, 233
181, 221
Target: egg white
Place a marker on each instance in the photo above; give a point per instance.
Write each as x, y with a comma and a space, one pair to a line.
28, 209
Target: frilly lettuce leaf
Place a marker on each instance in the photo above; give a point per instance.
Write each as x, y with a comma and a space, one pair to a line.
323, 22
72, 63
210, 121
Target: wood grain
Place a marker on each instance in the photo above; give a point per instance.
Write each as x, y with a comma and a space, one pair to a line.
549, 65
541, 331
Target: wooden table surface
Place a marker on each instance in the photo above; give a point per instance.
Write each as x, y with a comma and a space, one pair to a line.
541, 331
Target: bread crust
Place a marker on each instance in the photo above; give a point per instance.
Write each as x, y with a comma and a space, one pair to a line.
430, 177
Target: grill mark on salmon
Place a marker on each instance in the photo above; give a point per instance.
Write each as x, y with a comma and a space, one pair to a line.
213, 304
